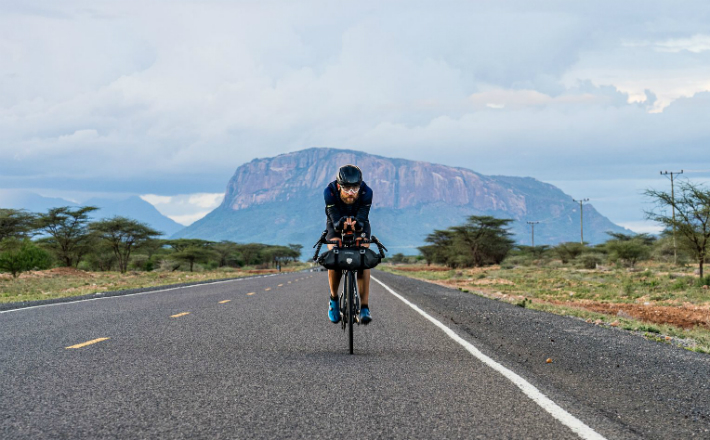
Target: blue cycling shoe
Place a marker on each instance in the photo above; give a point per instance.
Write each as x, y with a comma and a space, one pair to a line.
365, 317
334, 311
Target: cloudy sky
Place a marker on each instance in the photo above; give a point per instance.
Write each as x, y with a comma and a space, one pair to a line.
166, 99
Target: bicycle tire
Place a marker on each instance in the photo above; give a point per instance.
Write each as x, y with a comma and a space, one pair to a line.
350, 307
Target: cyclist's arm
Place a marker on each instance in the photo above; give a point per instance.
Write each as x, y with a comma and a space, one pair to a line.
331, 208
363, 212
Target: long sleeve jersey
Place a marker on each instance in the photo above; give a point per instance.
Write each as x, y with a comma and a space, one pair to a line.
335, 208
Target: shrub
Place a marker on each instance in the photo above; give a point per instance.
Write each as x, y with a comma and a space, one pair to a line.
519, 260
704, 281
569, 251
591, 260
20, 256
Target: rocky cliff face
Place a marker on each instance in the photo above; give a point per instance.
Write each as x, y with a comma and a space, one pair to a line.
397, 183
279, 200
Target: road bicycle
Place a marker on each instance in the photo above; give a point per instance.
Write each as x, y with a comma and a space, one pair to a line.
349, 256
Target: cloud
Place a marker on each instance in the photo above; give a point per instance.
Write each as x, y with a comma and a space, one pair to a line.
188, 219
643, 227
156, 200
696, 44
206, 200
191, 90
185, 208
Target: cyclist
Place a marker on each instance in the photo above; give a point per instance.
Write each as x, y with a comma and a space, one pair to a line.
347, 204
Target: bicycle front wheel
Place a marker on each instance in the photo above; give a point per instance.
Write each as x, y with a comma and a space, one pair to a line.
350, 306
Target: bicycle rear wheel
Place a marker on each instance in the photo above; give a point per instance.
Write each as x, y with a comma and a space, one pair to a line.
350, 285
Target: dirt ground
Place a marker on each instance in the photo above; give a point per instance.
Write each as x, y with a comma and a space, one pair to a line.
686, 316
51, 273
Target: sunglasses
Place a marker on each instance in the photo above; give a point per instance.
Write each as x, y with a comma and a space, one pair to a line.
350, 189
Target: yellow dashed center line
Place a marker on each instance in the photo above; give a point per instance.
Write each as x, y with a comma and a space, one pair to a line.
225, 301
84, 344
180, 314
280, 285
289, 282
267, 289
250, 293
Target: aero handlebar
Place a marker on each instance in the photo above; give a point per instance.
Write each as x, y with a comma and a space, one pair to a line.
321, 241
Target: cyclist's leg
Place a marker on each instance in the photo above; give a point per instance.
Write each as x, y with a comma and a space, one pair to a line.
334, 276
363, 286
363, 276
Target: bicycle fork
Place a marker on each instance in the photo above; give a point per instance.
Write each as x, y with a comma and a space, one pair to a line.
350, 279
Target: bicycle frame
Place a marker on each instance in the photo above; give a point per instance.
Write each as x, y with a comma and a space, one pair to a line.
349, 297
349, 301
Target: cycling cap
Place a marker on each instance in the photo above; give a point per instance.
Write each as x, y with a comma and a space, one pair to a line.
349, 175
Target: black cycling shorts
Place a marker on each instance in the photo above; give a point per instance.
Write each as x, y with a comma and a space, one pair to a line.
333, 234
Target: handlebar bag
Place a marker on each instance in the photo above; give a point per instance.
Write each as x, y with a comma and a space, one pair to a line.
349, 259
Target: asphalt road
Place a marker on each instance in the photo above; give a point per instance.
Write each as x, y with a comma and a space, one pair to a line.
258, 358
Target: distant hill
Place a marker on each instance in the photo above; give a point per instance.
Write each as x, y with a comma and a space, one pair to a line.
27, 200
280, 200
136, 208
132, 207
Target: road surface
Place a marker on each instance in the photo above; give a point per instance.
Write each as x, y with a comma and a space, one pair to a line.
258, 358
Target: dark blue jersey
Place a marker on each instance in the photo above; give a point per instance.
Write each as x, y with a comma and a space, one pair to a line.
335, 208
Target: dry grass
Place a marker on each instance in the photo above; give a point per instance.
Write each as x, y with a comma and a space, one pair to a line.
650, 299
64, 282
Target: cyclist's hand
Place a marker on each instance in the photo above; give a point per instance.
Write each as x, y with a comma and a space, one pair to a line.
341, 224
350, 223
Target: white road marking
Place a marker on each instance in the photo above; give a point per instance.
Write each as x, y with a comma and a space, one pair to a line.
526, 387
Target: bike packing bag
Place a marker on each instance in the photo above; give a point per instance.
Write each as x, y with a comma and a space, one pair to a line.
349, 258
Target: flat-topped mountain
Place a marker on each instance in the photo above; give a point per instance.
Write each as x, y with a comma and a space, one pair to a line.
279, 200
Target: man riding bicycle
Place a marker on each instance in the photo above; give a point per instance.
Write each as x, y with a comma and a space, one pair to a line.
347, 207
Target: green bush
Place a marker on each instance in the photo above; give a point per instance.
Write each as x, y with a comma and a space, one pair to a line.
519, 260
704, 281
569, 251
19, 256
590, 260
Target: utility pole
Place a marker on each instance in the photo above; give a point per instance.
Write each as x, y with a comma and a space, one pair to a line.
533, 232
581, 219
671, 173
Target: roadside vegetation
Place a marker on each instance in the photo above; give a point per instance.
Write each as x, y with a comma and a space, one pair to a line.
655, 286
659, 300
64, 253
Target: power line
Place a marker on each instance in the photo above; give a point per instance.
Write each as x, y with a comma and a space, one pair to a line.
581, 219
671, 173
533, 231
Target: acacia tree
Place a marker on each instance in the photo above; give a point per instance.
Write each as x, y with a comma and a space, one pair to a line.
692, 216
485, 238
276, 254
123, 235
428, 253
191, 250
629, 248
439, 249
251, 253
227, 252
480, 241
296, 248
194, 254
68, 232
16, 223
